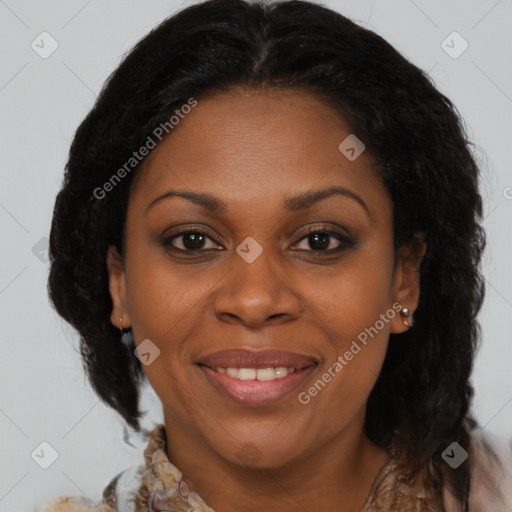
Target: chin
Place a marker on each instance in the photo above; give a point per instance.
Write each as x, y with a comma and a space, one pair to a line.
263, 455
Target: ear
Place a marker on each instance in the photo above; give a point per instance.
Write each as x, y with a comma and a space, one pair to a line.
117, 288
406, 281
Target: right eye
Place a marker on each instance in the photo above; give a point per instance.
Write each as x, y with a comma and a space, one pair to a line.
190, 240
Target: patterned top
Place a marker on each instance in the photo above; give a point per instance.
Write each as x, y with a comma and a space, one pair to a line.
159, 486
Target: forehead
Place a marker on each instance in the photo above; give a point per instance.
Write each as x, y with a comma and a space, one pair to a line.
256, 146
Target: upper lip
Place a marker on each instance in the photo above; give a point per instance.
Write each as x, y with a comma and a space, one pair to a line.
242, 358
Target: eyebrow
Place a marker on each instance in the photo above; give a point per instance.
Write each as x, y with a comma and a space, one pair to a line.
301, 201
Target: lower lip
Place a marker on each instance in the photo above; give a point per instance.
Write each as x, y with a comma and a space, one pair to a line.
256, 392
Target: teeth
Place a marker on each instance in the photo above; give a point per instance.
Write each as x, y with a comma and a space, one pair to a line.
256, 374
281, 372
246, 373
232, 372
265, 374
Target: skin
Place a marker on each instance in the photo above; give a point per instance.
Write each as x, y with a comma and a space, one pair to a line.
252, 149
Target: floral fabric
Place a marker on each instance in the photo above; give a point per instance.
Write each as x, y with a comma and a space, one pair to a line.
159, 486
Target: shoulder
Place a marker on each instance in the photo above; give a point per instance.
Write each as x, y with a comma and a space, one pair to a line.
490, 487
491, 476
73, 504
118, 495
491, 482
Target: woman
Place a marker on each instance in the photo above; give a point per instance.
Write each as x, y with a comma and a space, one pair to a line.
280, 214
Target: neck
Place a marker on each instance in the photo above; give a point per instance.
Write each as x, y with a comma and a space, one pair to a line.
340, 472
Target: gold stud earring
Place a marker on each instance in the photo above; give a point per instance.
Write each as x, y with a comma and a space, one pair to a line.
405, 313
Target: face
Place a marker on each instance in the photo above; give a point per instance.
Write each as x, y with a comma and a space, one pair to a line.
298, 289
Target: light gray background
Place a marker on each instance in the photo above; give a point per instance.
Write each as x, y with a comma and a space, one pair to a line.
44, 394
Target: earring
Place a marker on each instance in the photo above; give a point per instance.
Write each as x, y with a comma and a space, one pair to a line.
405, 313
126, 337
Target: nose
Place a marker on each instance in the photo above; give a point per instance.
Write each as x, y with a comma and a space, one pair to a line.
256, 292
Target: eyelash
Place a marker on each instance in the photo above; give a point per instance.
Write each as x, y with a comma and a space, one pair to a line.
345, 241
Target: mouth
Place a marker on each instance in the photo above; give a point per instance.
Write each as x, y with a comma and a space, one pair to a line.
261, 374
256, 378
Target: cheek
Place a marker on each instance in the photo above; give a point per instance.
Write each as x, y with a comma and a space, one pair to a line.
352, 296
160, 299
166, 306
341, 389
355, 307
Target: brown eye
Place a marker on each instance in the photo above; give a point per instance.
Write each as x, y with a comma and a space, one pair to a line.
321, 240
190, 241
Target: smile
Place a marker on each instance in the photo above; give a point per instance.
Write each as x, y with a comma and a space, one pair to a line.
261, 374
256, 387
256, 378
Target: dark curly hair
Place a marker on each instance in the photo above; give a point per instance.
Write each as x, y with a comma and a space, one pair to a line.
420, 402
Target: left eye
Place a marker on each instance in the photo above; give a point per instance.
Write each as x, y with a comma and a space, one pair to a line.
320, 240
